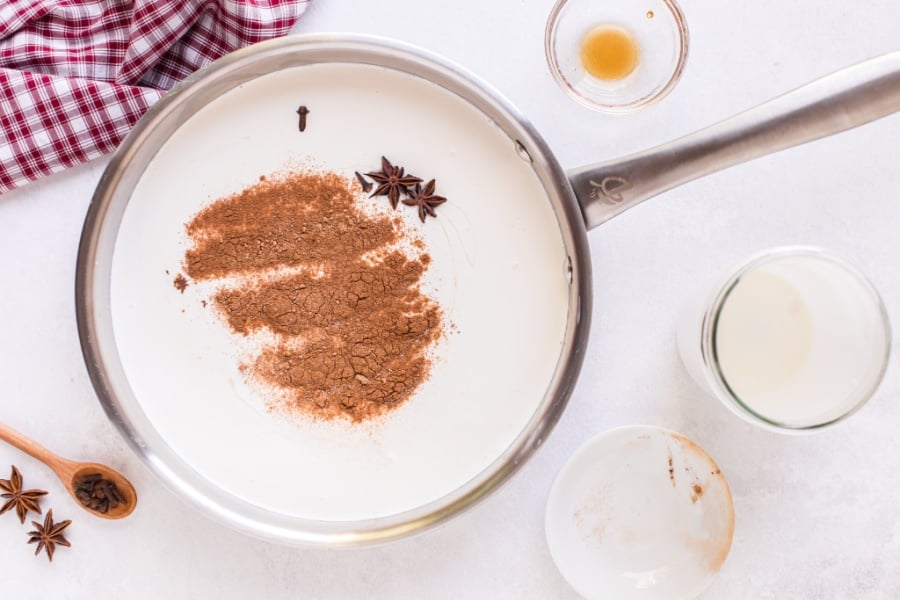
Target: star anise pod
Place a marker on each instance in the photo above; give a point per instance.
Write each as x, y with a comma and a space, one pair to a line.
22, 500
392, 182
49, 535
425, 200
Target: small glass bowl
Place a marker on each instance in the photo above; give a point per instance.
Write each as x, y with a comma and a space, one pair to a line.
657, 26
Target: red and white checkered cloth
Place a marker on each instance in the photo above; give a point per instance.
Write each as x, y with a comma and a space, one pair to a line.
75, 75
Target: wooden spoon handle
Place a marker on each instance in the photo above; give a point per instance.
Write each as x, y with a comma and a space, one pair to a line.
30, 447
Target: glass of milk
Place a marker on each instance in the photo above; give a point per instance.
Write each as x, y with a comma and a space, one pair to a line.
794, 339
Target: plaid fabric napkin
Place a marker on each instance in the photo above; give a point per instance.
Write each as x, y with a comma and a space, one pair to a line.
75, 75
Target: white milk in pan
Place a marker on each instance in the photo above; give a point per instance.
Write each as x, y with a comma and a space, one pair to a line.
498, 271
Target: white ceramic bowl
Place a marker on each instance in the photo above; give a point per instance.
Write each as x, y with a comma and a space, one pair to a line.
640, 513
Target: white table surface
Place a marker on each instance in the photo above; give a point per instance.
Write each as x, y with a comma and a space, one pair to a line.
817, 516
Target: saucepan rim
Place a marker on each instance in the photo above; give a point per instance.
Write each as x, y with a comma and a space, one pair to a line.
92, 289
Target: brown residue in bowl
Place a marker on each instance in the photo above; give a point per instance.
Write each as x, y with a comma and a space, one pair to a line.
716, 504
593, 517
697, 490
717, 521
671, 467
333, 288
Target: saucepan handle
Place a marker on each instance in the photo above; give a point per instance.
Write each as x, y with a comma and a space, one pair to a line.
850, 97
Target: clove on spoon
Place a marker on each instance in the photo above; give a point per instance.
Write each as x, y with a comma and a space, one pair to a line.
100, 490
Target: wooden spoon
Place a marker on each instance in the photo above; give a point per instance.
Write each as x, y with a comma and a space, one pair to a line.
72, 473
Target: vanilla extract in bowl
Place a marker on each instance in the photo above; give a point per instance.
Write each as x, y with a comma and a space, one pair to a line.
609, 52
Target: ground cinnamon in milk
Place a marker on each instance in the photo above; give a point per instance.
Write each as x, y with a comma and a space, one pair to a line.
338, 297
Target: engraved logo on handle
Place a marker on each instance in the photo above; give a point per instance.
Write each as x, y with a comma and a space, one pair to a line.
609, 190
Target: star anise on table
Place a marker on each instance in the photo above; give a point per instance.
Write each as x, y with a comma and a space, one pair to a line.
49, 535
16, 497
392, 181
425, 199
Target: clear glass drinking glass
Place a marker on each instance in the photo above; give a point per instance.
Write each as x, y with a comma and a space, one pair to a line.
794, 339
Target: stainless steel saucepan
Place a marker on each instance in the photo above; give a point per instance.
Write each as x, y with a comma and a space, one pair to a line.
580, 199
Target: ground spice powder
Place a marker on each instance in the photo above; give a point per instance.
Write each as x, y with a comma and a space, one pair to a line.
333, 287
